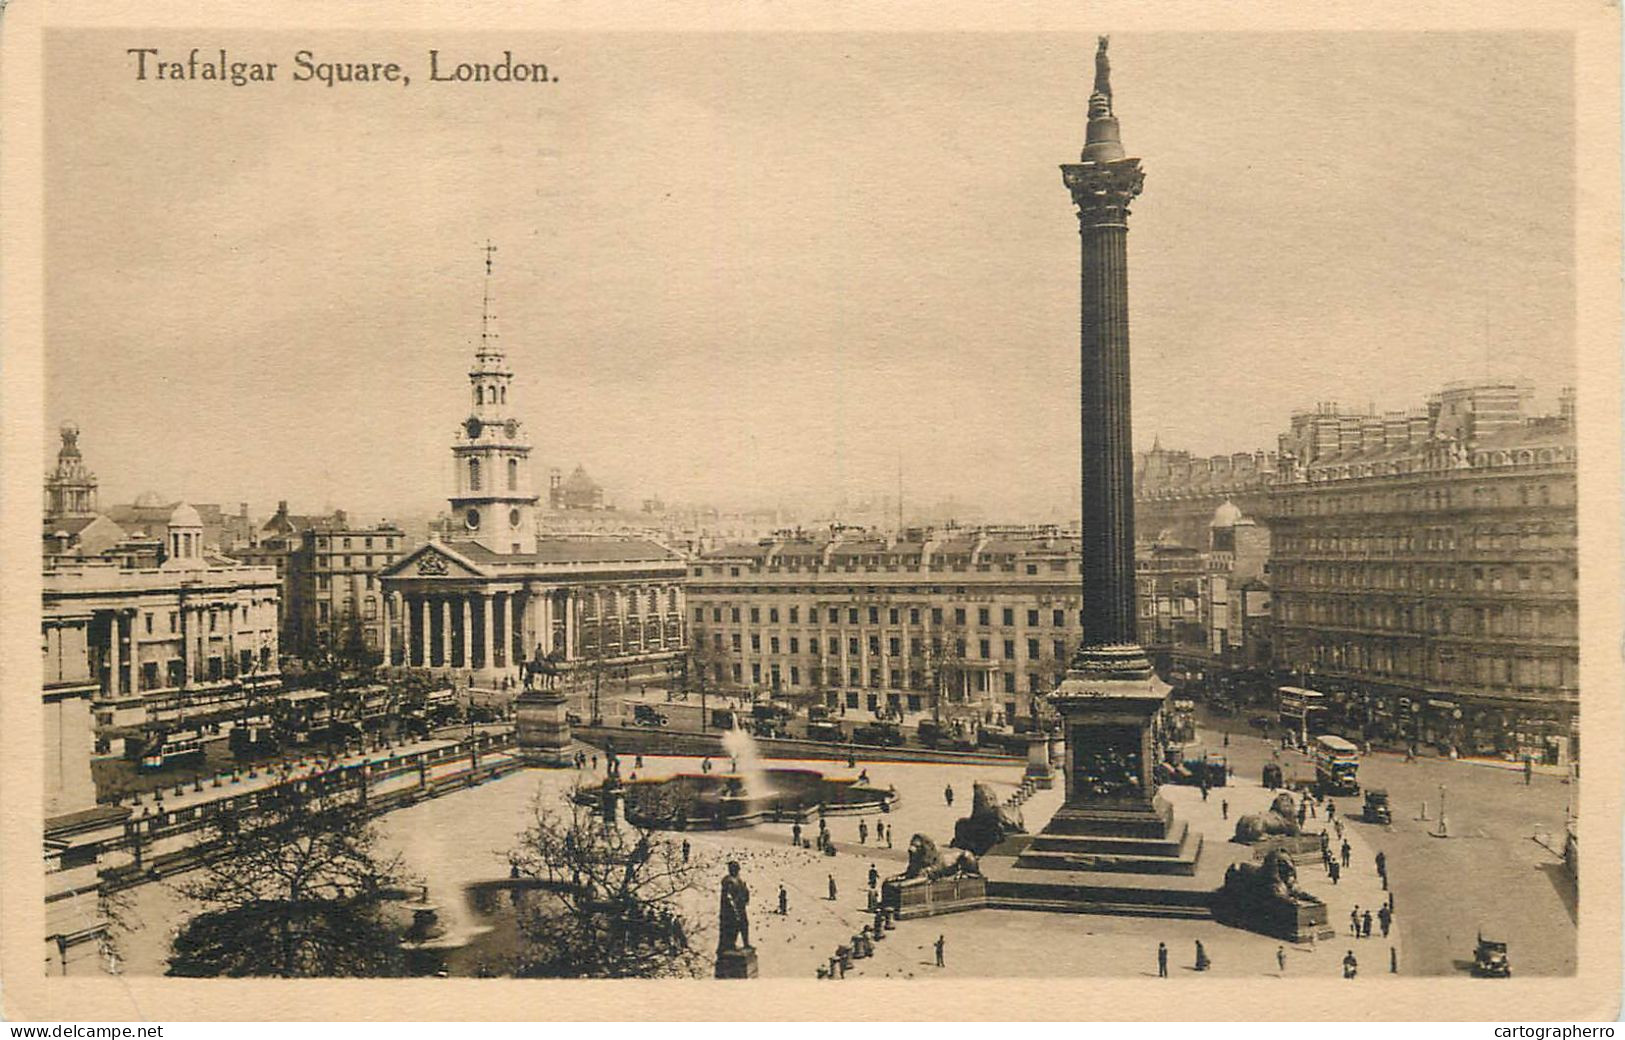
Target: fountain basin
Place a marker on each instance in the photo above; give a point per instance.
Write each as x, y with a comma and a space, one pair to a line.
721, 801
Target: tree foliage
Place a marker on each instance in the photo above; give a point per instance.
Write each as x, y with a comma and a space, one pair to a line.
612, 903
294, 889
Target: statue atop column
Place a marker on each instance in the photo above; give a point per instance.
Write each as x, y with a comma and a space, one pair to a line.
1103, 69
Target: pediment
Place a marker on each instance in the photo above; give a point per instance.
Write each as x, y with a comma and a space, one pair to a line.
435, 561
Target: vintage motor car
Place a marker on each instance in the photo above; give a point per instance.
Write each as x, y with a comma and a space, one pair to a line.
646, 715
1376, 806
1490, 959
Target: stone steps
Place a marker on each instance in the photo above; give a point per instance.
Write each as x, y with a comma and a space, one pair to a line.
1113, 844
1166, 858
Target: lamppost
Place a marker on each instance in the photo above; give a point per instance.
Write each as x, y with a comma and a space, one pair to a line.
1443, 830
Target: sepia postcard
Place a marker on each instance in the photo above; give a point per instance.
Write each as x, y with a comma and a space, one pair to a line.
801, 512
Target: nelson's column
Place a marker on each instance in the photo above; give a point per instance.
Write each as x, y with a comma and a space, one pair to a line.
1113, 841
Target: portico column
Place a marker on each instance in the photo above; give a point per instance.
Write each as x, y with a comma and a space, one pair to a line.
547, 621
383, 627
570, 625
486, 662
468, 633
186, 647
113, 659
445, 631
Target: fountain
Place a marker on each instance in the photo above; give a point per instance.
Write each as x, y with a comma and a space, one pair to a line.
749, 794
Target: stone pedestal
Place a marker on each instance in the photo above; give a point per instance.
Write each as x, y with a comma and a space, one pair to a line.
738, 963
1039, 770
542, 728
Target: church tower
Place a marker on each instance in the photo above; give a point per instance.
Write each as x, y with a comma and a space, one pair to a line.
493, 503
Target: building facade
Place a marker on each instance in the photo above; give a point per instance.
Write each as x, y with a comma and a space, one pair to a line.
492, 591
329, 566
1424, 570
953, 622
1176, 493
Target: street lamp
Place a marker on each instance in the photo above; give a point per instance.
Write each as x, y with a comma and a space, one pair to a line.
1443, 830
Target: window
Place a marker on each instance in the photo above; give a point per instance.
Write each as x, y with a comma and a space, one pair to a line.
1009, 616
755, 643
1060, 650
513, 474
1032, 648
716, 640
756, 674
1059, 619
874, 615
982, 616
986, 649
959, 615
1032, 619
852, 646
149, 622
795, 676
874, 645
755, 615
736, 673
716, 614
914, 615
894, 615
936, 615
1009, 682
812, 645
699, 613
1009, 649
773, 644
736, 645
773, 615
795, 615
896, 646
473, 474
852, 615
733, 615
795, 645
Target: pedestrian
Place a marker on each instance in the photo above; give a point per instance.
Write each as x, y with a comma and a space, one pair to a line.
1303, 811
888, 837
1311, 802
1346, 850
1385, 917
639, 763
685, 850
705, 766
863, 777
1162, 960
863, 832
1339, 827
795, 834
1331, 810
832, 888
1202, 962
1365, 925
1226, 738
1393, 960
1337, 872
784, 901
1382, 868
1350, 965
595, 763
941, 940
874, 876
1280, 959
1204, 788
948, 795
1224, 809
1354, 922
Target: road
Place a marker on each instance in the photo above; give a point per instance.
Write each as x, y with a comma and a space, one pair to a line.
1490, 873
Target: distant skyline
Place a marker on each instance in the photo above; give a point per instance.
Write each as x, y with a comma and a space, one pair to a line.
742, 270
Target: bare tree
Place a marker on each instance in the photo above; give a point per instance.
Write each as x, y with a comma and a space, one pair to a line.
611, 907
291, 888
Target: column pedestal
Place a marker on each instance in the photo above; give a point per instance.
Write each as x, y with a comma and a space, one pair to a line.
1039, 770
542, 728
737, 963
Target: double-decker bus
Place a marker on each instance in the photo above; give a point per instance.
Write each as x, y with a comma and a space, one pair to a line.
1298, 707
172, 748
1337, 765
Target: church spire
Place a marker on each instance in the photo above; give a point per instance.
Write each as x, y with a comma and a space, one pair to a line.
488, 335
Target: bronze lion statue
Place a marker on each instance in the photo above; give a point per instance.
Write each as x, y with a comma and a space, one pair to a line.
1281, 818
925, 860
988, 823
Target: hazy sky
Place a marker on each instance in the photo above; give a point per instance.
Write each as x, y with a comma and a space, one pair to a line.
739, 267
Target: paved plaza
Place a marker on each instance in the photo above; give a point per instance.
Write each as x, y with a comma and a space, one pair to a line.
463, 837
